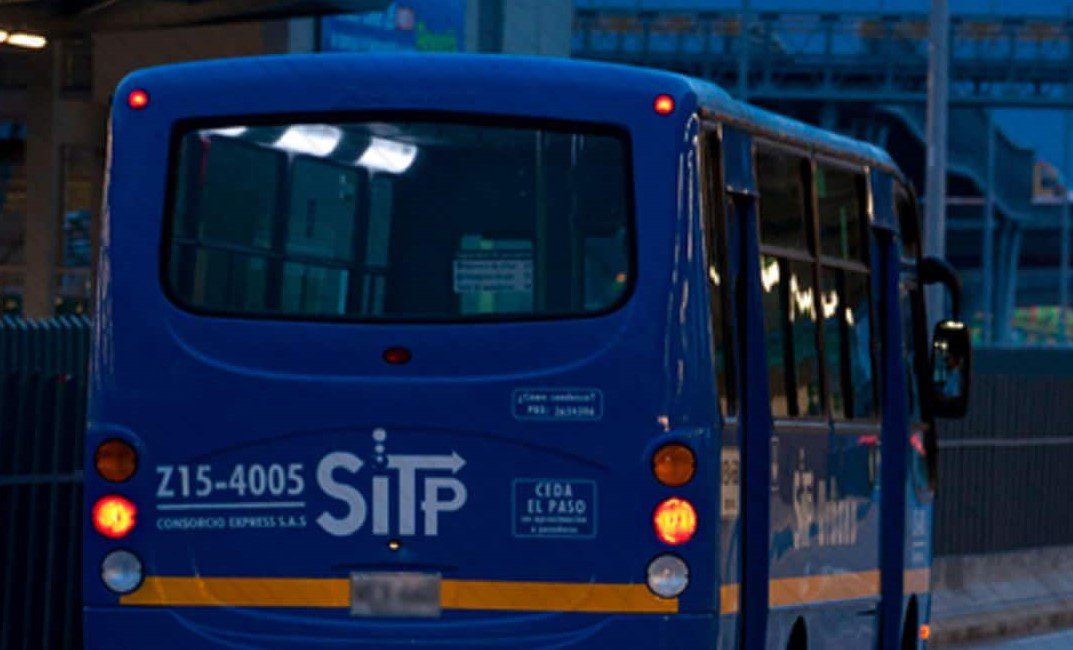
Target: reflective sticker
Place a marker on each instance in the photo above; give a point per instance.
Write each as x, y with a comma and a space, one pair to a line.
822, 516
342, 493
730, 502
493, 271
554, 508
565, 404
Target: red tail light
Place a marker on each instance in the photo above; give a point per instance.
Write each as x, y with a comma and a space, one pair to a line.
114, 516
675, 521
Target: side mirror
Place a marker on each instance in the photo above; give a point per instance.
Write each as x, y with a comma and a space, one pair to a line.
951, 369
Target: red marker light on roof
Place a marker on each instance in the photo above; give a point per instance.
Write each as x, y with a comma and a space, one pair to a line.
138, 99
664, 104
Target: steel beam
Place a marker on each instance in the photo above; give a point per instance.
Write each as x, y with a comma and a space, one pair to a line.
938, 112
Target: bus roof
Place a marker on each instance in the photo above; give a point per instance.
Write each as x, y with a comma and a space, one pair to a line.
497, 71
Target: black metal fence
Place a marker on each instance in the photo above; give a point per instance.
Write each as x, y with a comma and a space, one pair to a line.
1006, 470
42, 423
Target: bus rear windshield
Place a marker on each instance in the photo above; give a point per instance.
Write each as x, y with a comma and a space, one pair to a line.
400, 221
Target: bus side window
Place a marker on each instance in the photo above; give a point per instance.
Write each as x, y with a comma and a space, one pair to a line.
718, 221
914, 337
909, 299
787, 276
845, 291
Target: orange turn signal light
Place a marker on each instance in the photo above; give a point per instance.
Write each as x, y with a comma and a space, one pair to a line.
925, 632
116, 461
675, 521
114, 516
674, 464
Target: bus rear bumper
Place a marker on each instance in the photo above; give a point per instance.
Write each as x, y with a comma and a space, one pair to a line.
136, 628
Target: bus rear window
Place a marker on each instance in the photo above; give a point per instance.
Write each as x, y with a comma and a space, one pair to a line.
400, 221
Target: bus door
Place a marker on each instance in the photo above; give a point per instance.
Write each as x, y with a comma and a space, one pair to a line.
919, 455
738, 357
722, 213
819, 328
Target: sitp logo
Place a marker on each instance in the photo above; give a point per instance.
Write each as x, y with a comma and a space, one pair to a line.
398, 479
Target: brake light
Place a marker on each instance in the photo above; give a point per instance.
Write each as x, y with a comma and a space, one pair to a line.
114, 516
925, 632
397, 355
675, 521
674, 464
115, 461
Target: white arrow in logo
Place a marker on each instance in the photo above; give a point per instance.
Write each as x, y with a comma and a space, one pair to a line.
407, 466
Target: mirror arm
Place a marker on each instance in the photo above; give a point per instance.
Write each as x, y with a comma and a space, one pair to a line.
935, 270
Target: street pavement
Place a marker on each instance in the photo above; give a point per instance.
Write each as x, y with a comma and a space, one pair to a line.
1050, 641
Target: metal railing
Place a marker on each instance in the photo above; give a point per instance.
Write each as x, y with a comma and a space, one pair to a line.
43, 375
853, 56
1005, 476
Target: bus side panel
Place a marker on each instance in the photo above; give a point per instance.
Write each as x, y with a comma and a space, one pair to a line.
825, 493
316, 401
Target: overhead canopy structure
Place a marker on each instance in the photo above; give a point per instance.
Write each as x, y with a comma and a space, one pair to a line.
54, 18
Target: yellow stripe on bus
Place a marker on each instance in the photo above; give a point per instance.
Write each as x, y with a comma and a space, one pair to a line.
803, 590
728, 599
163, 591
785, 592
240, 592
917, 581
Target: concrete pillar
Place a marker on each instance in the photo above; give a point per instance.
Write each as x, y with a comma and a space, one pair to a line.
1009, 255
303, 35
541, 27
43, 173
538, 27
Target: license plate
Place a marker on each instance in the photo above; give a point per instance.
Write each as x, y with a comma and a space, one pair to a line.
395, 594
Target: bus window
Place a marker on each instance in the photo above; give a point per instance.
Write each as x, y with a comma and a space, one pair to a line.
848, 346
787, 268
909, 298
783, 215
839, 201
400, 220
845, 295
718, 222
914, 339
233, 214
319, 246
790, 324
905, 291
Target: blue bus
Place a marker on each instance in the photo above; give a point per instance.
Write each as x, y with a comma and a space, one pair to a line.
471, 351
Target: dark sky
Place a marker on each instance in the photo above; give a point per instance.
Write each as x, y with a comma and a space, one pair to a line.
1039, 129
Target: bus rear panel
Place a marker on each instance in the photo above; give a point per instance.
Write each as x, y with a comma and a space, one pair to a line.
395, 342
